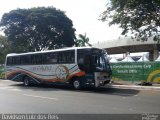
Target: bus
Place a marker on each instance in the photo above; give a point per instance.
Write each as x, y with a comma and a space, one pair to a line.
78, 66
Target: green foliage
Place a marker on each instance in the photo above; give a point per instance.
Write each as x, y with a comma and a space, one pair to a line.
38, 29
2, 72
138, 18
4, 48
2, 75
83, 40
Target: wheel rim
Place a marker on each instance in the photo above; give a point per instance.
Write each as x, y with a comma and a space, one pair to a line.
26, 82
76, 84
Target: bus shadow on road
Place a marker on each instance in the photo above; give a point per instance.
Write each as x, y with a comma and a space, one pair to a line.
100, 90
116, 91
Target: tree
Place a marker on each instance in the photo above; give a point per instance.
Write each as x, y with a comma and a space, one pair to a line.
4, 48
138, 18
38, 29
83, 40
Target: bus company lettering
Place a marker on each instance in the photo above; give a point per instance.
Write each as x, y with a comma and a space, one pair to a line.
42, 68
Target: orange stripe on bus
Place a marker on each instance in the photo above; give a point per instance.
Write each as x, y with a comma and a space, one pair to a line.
78, 74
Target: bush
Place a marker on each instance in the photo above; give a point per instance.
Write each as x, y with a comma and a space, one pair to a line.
2, 75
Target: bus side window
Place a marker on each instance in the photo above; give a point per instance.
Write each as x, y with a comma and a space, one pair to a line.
87, 63
63, 58
9, 61
51, 58
59, 58
44, 56
70, 56
66, 57
33, 59
25, 60
22, 60
81, 64
16, 60
39, 59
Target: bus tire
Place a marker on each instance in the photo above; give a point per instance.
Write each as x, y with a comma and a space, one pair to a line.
77, 84
26, 81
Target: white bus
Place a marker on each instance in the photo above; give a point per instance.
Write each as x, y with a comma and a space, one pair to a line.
78, 66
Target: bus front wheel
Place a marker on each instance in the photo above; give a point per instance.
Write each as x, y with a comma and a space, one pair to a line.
26, 81
77, 84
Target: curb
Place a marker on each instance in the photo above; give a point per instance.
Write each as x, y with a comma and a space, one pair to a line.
135, 87
122, 86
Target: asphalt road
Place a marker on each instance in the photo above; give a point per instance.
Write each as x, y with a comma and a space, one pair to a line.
16, 98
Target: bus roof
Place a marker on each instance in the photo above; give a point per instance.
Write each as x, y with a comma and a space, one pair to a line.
56, 50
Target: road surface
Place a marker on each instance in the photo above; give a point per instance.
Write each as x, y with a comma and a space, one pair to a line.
16, 98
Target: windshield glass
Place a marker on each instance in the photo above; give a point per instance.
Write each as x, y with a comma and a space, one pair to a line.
95, 60
106, 62
101, 62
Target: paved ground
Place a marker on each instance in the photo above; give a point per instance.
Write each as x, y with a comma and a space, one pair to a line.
136, 87
129, 85
16, 98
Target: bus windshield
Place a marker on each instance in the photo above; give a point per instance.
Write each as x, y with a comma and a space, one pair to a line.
101, 62
94, 60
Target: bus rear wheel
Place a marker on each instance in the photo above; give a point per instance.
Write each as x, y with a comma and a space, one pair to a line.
26, 81
77, 84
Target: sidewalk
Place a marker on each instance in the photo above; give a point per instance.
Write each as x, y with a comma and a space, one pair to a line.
134, 86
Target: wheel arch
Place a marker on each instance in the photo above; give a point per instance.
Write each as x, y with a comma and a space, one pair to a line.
73, 78
78, 75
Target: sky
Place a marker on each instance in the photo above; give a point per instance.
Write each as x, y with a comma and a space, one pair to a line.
83, 13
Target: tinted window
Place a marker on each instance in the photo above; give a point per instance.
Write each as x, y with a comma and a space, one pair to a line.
36, 59
50, 58
25, 60
66, 56
81, 54
9, 60
43, 58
